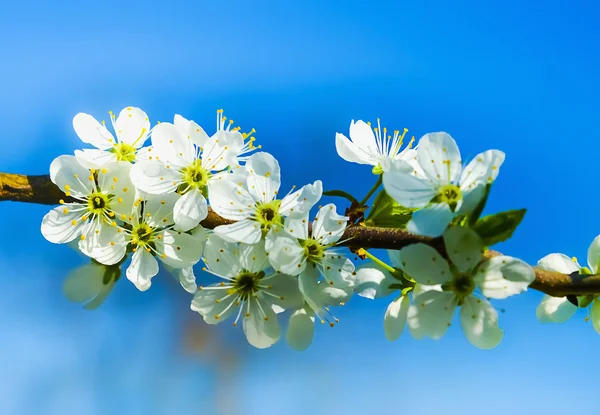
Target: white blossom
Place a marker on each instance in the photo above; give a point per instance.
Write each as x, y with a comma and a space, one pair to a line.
373, 146
100, 198
131, 128
255, 206
444, 188
91, 284
249, 289
466, 282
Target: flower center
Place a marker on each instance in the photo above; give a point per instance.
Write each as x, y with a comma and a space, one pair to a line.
313, 250
124, 152
462, 285
267, 214
195, 176
246, 283
142, 234
98, 203
450, 194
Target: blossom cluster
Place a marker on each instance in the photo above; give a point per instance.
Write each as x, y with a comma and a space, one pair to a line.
143, 196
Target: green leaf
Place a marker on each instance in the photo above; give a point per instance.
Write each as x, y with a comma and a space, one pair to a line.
585, 300
341, 193
499, 227
387, 213
476, 213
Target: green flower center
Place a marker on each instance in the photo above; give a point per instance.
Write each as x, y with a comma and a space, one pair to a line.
196, 177
313, 250
246, 283
98, 204
124, 152
267, 214
462, 285
142, 234
450, 194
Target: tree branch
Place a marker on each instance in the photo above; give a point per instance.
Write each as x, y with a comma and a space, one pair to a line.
40, 190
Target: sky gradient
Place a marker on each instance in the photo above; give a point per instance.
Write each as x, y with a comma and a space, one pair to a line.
517, 76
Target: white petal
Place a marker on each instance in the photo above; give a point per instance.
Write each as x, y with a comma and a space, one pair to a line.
189, 210
244, 231
372, 281
424, 264
362, 135
431, 220
191, 130
593, 255
70, 176
92, 132
479, 322
178, 249
286, 288
439, 157
328, 226
132, 126
395, 258
484, 168
595, 315
58, 228
159, 209
94, 159
172, 146
309, 287
154, 178
408, 190
301, 329
253, 257
464, 247
109, 247
218, 151
261, 328
337, 269
142, 268
186, 278
84, 283
555, 310
351, 152
431, 314
144, 154
503, 276
558, 263
215, 306
285, 253
114, 179
395, 317
301, 201
264, 177
297, 226
221, 256
229, 200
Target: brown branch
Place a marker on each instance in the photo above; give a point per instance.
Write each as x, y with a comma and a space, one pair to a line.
39, 189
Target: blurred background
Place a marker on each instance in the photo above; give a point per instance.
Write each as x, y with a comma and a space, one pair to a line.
517, 76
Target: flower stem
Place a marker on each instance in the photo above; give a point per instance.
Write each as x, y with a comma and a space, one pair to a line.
373, 189
377, 260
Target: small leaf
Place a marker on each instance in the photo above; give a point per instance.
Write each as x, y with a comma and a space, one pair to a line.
476, 213
498, 227
341, 193
584, 300
387, 213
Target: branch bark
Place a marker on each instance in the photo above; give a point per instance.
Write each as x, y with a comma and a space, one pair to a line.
41, 190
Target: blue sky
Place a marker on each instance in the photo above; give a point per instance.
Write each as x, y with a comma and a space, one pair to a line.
517, 76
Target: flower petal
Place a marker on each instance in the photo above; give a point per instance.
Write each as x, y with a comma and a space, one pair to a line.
219, 152
503, 276
328, 226
479, 321
132, 126
362, 135
90, 131
222, 257
483, 169
142, 268
109, 247
431, 220
395, 258
186, 278
253, 257
439, 157
215, 305
351, 152
285, 253
245, 231
464, 247
173, 146
84, 283
431, 314
59, 227
372, 281
94, 159
337, 269
229, 200
425, 264
264, 177
261, 327
192, 130
301, 329
395, 317
70, 176
558, 263
555, 310
178, 249
300, 202
189, 210
154, 178
593, 255
408, 190
286, 288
